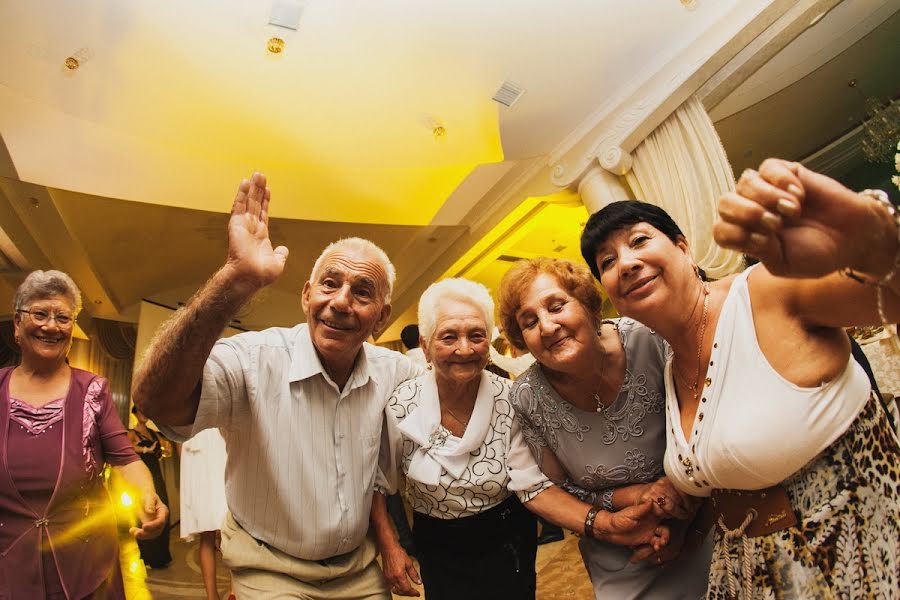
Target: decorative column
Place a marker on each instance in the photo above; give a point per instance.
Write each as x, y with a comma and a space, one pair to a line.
599, 187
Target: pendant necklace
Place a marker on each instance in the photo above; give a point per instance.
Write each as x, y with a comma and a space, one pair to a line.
694, 386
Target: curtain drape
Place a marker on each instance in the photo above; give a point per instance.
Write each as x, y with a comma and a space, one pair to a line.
682, 167
112, 356
9, 350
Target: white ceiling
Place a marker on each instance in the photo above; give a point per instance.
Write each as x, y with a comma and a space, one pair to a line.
122, 171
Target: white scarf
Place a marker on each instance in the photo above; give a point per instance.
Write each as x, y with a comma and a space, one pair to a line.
436, 448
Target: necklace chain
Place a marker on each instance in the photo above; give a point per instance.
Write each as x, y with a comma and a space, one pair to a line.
463, 422
695, 386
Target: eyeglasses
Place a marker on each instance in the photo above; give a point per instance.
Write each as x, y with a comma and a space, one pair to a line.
42, 317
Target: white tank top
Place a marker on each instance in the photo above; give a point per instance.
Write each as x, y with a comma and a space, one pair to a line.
753, 428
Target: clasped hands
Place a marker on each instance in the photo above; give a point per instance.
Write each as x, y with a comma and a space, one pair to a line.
668, 510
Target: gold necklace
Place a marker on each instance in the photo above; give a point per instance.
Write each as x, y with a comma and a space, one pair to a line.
694, 386
464, 423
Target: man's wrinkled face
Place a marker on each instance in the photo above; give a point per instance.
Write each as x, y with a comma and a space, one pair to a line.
344, 303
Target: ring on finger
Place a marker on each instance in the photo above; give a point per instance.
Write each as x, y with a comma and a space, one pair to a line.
661, 501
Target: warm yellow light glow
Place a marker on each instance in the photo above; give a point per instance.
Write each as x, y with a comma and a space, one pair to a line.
126, 499
71, 63
531, 213
317, 168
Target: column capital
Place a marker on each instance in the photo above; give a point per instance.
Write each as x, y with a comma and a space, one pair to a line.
599, 187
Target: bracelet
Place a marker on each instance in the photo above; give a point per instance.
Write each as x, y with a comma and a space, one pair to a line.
589, 522
606, 500
881, 197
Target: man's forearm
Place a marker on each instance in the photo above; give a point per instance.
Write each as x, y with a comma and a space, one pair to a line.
167, 383
380, 521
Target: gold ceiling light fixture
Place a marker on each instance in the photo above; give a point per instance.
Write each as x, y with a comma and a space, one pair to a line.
76, 60
881, 126
284, 20
436, 126
689, 4
275, 45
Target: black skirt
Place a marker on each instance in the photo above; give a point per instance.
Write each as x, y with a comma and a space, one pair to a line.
489, 555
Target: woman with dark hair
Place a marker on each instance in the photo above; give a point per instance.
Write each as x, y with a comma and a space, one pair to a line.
58, 428
766, 413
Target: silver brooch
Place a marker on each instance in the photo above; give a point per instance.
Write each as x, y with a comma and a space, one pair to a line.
438, 437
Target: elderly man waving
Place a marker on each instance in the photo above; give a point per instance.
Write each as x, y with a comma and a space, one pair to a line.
301, 410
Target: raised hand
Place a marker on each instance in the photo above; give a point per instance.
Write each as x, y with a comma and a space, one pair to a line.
153, 514
797, 222
251, 257
632, 526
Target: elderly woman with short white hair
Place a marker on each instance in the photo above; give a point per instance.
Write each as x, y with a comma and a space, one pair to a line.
468, 468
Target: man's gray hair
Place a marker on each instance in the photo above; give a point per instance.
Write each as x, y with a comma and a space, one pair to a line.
359, 244
40, 285
459, 289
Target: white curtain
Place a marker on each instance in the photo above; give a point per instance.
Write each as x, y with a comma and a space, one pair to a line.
682, 167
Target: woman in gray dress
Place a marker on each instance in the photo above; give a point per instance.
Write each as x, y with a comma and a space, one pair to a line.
592, 412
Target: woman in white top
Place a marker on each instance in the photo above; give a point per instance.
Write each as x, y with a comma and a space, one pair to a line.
766, 413
469, 470
203, 505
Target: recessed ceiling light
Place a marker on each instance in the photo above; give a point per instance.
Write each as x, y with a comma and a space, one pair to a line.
435, 125
71, 63
689, 4
275, 45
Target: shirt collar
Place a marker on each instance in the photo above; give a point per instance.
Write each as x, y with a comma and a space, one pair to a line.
305, 362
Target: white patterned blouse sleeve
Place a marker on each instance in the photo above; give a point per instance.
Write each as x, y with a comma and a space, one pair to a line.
525, 477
